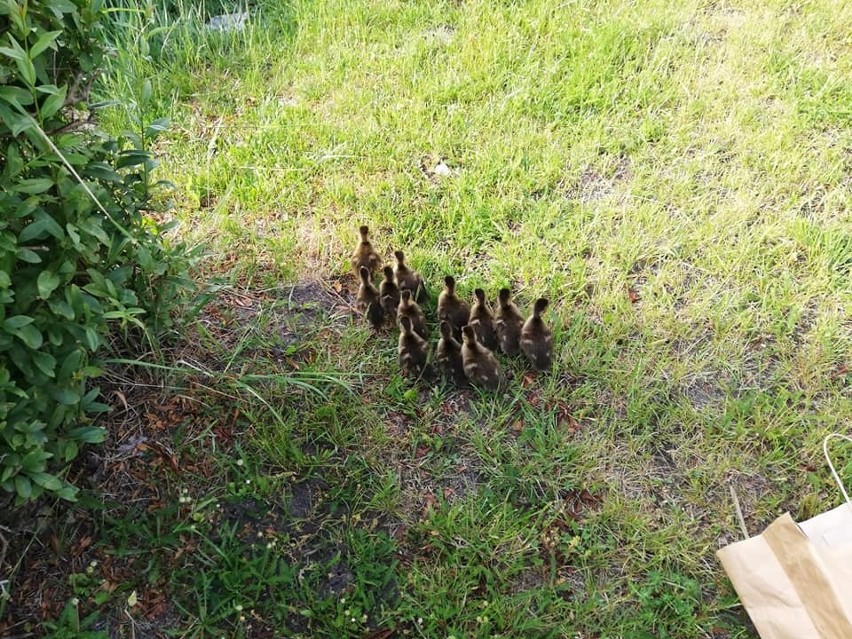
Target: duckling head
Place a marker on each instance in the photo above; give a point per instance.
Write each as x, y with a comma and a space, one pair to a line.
450, 284
446, 330
505, 296
469, 335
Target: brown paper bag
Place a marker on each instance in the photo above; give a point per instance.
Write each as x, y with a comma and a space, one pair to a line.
795, 580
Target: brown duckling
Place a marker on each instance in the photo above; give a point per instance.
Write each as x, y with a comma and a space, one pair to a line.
448, 355
367, 301
481, 312
413, 350
365, 255
536, 337
451, 307
389, 292
480, 365
410, 309
508, 322
409, 278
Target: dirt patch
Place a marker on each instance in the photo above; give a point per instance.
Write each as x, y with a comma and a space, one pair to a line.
597, 183
703, 393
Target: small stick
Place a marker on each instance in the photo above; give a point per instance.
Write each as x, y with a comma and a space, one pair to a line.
739, 511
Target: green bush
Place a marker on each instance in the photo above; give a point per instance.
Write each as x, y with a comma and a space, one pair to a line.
80, 253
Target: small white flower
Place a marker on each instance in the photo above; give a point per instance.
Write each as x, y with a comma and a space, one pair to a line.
240, 462
248, 481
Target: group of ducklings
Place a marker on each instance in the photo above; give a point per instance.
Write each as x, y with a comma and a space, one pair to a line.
480, 329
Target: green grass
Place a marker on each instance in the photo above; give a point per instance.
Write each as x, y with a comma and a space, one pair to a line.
697, 155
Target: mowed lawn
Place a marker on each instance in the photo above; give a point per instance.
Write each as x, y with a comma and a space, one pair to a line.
674, 177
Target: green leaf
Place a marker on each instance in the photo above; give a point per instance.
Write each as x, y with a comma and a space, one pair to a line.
33, 185
65, 396
23, 487
62, 308
27, 255
45, 362
46, 481
132, 157
53, 103
60, 6
43, 42
16, 322
43, 223
71, 364
93, 340
71, 450
15, 95
156, 127
47, 282
27, 71
5, 280
15, 54
145, 98
17, 122
88, 435
29, 335
67, 492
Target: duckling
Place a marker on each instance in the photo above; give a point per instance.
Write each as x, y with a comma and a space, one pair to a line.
409, 278
368, 301
413, 349
536, 337
481, 312
508, 322
364, 255
451, 307
389, 292
448, 355
480, 365
410, 309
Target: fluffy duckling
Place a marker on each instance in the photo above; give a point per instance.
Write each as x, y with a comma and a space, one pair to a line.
389, 292
508, 323
448, 355
409, 278
536, 337
481, 312
410, 309
451, 308
364, 255
367, 301
480, 365
413, 349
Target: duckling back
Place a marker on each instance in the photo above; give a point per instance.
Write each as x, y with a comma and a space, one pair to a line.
508, 323
412, 351
480, 312
410, 279
389, 292
364, 254
451, 308
536, 338
480, 365
448, 355
367, 301
410, 309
